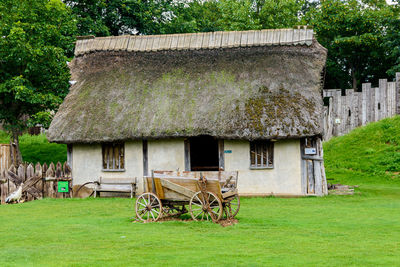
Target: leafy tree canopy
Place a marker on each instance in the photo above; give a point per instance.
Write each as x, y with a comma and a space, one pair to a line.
116, 17
355, 33
36, 36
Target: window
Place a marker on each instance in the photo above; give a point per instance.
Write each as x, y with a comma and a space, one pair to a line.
261, 154
113, 157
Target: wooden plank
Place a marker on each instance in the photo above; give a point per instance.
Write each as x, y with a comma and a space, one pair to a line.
276, 37
171, 195
5, 156
377, 105
138, 43
360, 108
231, 39
257, 36
143, 43
296, 36
270, 37
177, 188
186, 40
221, 155
199, 41
263, 37
243, 40
174, 41
145, 158
310, 177
149, 44
116, 157
21, 172
335, 112
364, 105
383, 98
397, 100
392, 98
370, 103
206, 40
309, 36
126, 188
318, 178
250, 38
187, 154
194, 41
159, 188
225, 39
131, 43
125, 42
217, 39
117, 180
156, 43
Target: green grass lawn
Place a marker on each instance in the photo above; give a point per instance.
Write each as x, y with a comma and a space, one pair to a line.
360, 230
38, 149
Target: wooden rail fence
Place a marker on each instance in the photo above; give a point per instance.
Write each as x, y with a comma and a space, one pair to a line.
346, 112
37, 181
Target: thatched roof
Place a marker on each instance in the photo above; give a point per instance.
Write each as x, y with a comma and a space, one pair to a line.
269, 87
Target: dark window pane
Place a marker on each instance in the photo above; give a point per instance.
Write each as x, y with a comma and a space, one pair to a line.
252, 154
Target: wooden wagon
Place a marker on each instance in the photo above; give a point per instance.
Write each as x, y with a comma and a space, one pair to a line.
208, 195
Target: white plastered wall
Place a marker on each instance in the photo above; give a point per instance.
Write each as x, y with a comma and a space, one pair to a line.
87, 163
283, 179
166, 155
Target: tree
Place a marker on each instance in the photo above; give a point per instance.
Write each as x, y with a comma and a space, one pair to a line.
90, 16
36, 37
274, 14
117, 17
392, 42
354, 32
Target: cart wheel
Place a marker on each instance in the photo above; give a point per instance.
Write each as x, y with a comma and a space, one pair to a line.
148, 207
198, 208
232, 207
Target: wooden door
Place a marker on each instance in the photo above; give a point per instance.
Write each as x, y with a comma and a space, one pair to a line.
312, 165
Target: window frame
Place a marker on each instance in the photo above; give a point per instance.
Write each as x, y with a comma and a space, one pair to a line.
121, 157
258, 149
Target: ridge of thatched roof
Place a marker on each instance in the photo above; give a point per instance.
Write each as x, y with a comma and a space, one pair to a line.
195, 41
257, 92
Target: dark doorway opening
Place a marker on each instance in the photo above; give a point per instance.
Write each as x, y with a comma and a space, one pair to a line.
204, 153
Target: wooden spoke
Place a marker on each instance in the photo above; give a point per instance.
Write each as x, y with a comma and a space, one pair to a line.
207, 205
148, 207
232, 207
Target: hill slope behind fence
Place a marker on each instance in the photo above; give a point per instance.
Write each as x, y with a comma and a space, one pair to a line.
39, 181
346, 112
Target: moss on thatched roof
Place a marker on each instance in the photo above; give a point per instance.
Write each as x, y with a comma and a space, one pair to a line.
235, 93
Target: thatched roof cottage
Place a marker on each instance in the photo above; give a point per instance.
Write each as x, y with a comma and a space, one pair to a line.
248, 101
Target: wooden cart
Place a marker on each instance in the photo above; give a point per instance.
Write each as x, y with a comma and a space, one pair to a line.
208, 195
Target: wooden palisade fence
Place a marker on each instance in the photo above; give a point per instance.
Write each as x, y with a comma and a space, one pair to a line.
346, 112
39, 181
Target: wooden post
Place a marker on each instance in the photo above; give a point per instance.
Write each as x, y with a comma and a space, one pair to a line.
187, 154
221, 155
392, 99
145, 159
383, 97
5, 156
397, 92
364, 99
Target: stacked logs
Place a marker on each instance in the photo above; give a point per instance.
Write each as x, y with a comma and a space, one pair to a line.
38, 182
